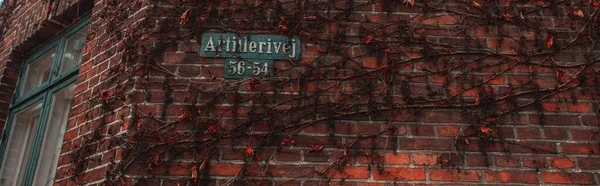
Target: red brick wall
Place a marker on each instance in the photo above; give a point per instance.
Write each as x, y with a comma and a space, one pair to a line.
146, 102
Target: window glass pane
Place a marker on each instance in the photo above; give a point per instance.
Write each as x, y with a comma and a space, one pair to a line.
73, 50
59, 113
19, 145
38, 72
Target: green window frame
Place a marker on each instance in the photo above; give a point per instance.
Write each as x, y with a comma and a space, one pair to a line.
43, 94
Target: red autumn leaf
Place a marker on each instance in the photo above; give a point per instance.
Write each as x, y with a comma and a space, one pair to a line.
251, 83
183, 116
444, 160
156, 160
410, 2
282, 18
283, 27
387, 52
172, 140
194, 172
317, 148
75, 20
549, 41
293, 141
284, 141
560, 72
477, 100
249, 151
486, 130
211, 130
507, 16
594, 3
185, 17
369, 40
578, 13
90, 36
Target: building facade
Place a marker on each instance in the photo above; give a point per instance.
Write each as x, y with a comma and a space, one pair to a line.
341, 92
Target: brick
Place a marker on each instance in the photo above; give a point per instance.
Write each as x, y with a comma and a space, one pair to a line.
588, 163
553, 107
443, 117
424, 159
448, 131
584, 134
558, 120
370, 184
374, 63
399, 174
568, 178
529, 133
225, 169
348, 172
292, 171
507, 161
535, 162
397, 158
578, 107
556, 133
416, 144
422, 130
562, 162
479, 160
288, 155
455, 175
511, 176
442, 20
579, 148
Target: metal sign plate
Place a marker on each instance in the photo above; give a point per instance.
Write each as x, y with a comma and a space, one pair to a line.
249, 46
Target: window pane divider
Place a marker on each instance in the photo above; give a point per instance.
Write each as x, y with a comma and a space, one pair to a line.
34, 156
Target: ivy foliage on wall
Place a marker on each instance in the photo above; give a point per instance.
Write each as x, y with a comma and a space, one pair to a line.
478, 64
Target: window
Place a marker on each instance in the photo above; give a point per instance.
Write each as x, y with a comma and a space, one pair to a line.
31, 142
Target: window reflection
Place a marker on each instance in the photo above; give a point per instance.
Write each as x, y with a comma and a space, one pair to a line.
38, 72
73, 50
